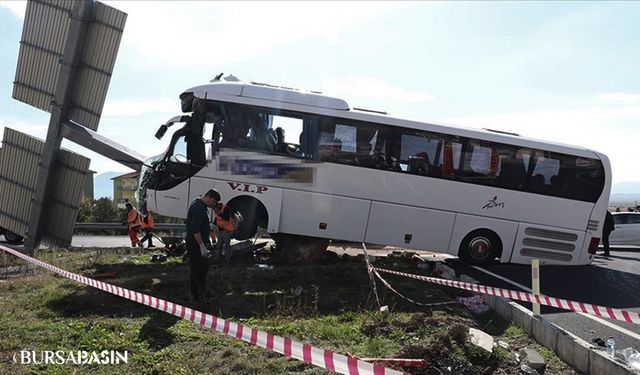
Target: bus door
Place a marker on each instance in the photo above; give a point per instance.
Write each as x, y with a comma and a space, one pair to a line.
172, 178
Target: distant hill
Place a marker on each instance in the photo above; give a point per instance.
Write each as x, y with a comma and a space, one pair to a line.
626, 187
103, 185
625, 194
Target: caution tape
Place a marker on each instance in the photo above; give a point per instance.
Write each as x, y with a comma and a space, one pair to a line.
289, 348
403, 362
587, 308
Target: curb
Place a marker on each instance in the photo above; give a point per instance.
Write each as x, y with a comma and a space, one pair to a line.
570, 348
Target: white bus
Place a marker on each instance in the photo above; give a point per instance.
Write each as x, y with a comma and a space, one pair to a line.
346, 174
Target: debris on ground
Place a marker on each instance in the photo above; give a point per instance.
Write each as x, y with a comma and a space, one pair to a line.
468, 279
504, 345
475, 304
444, 271
260, 266
481, 339
631, 356
531, 362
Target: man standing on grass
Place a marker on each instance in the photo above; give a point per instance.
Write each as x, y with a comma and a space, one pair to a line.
197, 241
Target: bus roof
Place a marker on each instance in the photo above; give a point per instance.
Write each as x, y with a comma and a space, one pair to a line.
255, 90
271, 96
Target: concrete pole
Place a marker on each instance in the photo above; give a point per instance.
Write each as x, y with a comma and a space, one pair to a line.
535, 283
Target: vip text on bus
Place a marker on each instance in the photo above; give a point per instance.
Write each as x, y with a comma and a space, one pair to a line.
308, 169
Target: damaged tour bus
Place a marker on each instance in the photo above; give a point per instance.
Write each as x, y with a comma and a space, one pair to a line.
308, 168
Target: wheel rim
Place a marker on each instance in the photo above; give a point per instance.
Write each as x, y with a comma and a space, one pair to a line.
480, 248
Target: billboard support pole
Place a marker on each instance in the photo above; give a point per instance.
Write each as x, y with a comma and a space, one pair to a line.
73, 48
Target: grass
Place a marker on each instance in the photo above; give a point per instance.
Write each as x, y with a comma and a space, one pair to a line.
329, 306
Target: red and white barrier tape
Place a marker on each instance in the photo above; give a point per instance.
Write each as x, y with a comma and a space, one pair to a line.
404, 362
303, 352
601, 311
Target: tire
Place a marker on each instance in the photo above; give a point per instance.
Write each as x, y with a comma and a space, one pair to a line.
13, 238
480, 247
249, 213
247, 225
293, 249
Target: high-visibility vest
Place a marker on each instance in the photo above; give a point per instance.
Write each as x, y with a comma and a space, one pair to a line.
226, 225
133, 219
147, 221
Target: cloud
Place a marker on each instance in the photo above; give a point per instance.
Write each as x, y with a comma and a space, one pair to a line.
18, 8
38, 130
619, 97
375, 94
369, 87
140, 106
217, 33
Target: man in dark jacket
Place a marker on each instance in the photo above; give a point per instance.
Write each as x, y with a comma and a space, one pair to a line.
197, 241
609, 226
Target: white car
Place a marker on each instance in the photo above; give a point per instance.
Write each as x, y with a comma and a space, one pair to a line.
627, 229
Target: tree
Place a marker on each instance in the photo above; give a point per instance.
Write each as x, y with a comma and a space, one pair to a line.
85, 211
105, 211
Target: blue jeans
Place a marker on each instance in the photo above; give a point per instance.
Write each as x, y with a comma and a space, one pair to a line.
223, 246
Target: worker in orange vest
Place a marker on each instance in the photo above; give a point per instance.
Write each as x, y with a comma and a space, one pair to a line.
133, 224
224, 227
147, 228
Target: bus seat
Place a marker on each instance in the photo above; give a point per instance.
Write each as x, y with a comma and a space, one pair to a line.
537, 183
270, 140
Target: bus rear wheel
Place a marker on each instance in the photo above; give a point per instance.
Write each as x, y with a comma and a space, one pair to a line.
480, 247
13, 238
293, 249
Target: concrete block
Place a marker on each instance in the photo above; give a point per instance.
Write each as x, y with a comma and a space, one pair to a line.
574, 351
503, 308
481, 339
533, 359
522, 317
544, 332
600, 363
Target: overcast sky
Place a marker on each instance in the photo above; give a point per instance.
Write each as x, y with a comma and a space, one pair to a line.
565, 72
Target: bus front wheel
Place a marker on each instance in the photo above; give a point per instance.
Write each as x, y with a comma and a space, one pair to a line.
480, 247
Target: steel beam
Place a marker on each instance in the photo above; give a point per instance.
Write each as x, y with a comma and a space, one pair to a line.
95, 142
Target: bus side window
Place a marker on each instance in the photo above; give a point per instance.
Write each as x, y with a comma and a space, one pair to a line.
546, 167
512, 169
452, 155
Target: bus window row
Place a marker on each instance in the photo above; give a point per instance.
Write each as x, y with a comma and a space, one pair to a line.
404, 150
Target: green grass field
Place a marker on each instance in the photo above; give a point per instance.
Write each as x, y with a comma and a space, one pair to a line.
327, 305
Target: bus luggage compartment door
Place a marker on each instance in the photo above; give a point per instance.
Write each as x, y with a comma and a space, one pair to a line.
410, 227
323, 215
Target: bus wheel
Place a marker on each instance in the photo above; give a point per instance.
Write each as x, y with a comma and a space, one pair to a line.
249, 214
294, 249
13, 238
480, 247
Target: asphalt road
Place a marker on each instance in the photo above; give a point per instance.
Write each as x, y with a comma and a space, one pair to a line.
609, 281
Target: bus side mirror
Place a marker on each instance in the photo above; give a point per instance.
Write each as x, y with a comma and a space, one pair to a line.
161, 131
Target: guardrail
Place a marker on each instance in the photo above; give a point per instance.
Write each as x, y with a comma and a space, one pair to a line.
157, 226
